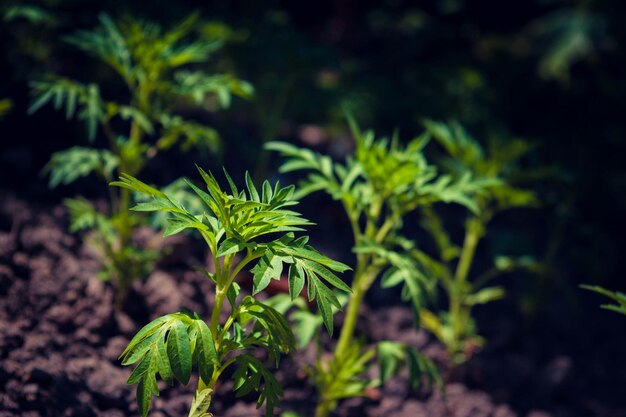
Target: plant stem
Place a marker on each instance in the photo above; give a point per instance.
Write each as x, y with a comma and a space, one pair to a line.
220, 295
458, 310
352, 314
470, 242
223, 282
364, 276
323, 408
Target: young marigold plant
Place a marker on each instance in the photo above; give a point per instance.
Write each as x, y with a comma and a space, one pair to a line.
156, 68
452, 265
378, 186
241, 229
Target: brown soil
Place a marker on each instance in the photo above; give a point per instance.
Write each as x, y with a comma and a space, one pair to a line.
60, 337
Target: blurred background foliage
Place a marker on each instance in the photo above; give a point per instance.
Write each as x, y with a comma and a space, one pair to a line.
548, 71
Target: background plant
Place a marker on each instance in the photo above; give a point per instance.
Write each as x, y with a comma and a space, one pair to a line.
378, 186
243, 228
617, 296
452, 265
160, 71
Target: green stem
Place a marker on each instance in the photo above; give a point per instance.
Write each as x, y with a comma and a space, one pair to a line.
245, 261
352, 313
458, 310
364, 276
472, 236
220, 296
323, 408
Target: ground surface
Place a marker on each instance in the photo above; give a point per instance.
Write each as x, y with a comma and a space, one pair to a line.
60, 337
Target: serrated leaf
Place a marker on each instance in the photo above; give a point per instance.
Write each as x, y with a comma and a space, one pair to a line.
163, 362
328, 276
296, 280
67, 166
145, 390
325, 301
253, 375
254, 194
229, 246
145, 331
201, 403
205, 351
139, 370
179, 352
269, 267
315, 256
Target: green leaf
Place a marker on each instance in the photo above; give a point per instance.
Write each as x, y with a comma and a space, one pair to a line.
232, 294
138, 349
251, 375
254, 195
67, 166
485, 295
33, 14
229, 246
325, 301
133, 184
306, 326
140, 370
391, 357
419, 366
296, 280
205, 351
74, 95
179, 352
312, 255
163, 362
617, 296
328, 276
201, 403
145, 390
269, 267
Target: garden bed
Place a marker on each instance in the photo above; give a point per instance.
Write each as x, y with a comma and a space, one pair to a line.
60, 337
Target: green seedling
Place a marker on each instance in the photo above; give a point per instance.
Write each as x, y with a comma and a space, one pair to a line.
156, 68
241, 229
452, 265
379, 186
617, 296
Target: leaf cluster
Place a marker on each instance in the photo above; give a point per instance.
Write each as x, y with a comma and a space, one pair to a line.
394, 356
248, 221
153, 65
381, 184
168, 346
172, 345
382, 173
499, 162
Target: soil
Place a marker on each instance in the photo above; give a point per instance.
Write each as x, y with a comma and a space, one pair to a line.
60, 337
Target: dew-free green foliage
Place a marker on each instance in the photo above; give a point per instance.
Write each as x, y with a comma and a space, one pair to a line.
617, 296
452, 265
157, 68
378, 186
241, 228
